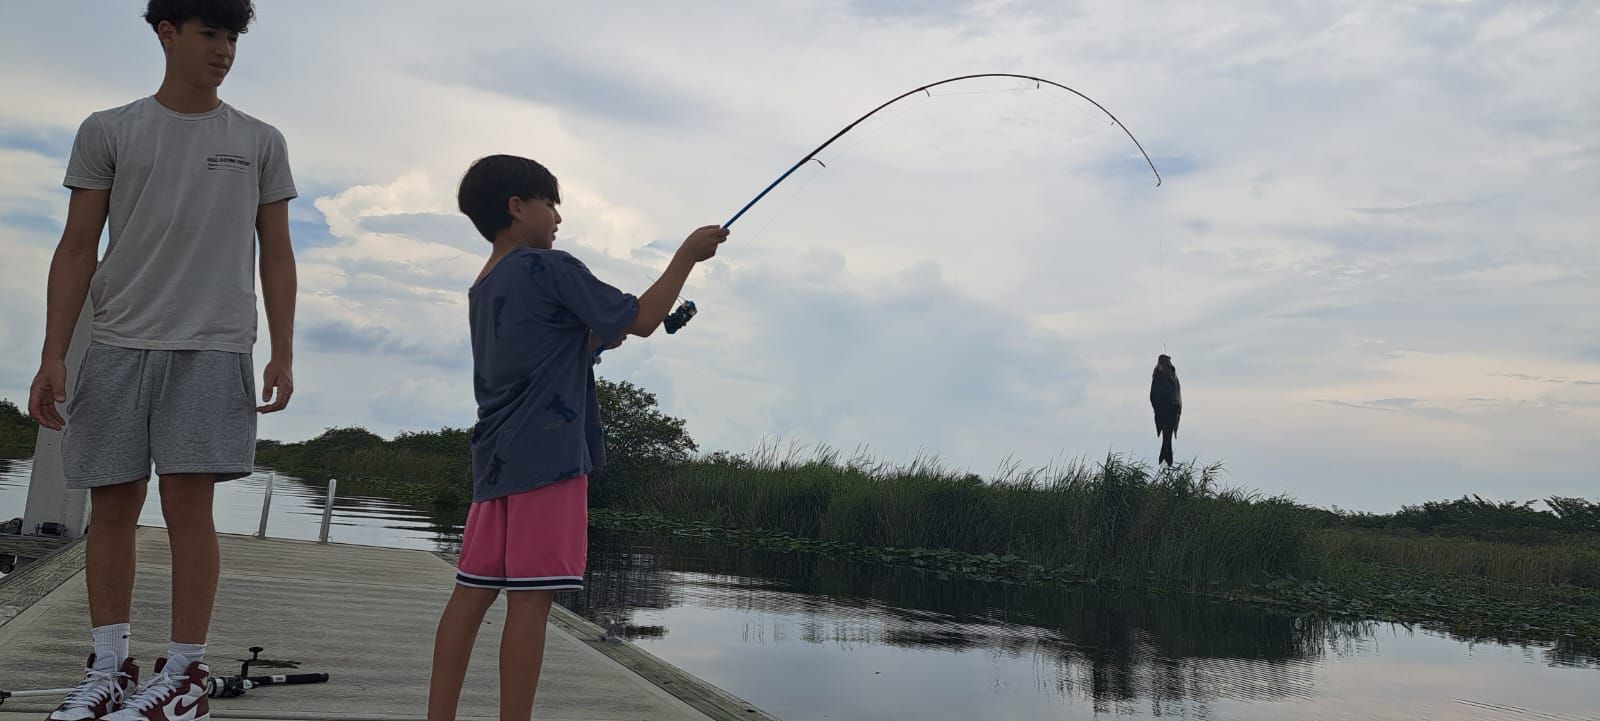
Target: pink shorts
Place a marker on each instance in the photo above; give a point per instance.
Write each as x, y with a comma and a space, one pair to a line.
537, 540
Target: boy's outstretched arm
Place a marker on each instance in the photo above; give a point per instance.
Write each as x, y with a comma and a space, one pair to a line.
656, 302
278, 284
71, 269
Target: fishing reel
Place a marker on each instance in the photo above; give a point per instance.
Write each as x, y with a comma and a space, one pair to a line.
679, 317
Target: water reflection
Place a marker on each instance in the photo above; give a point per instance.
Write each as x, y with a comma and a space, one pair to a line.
1569, 652
363, 510
1092, 651
1085, 642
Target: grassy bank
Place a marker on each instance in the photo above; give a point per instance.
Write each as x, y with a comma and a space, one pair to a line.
1113, 519
1120, 518
1449, 564
1502, 570
1573, 561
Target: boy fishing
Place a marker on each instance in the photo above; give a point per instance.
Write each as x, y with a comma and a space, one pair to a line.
537, 317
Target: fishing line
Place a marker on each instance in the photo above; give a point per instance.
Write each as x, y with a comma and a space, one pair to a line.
1040, 82
786, 203
885, 122
843, 155
950, 94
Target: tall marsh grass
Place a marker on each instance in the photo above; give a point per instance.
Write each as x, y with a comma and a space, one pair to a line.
1115, 517
1576, 562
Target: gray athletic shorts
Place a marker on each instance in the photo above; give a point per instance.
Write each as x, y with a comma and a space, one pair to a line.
189, 411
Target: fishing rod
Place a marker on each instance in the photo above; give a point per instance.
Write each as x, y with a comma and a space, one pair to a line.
1039, 82
681, 316
216, 687
230, 686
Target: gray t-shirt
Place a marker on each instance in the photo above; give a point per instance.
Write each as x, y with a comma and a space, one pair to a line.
179, 272
533, 374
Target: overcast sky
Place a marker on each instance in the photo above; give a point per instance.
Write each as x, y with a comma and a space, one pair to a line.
1374, 259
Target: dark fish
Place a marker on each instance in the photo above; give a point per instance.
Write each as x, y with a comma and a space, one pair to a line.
1167, 402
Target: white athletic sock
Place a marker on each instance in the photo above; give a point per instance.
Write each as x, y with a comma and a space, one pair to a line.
180, 655
110, 646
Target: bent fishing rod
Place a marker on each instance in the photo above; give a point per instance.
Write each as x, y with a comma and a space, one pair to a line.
1039, 82
687, 309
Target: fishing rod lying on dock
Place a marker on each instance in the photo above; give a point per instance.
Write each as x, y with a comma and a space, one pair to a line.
230, 686
216, 686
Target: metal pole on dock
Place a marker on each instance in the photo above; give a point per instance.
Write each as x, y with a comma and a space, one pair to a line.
266, 505
52, 509
327, 510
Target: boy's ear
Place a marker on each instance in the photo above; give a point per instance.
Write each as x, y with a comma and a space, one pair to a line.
514, 207
167, 33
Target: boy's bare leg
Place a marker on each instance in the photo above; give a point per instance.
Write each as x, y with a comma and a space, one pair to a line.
522, 651
192, 534
452, 648
113, 521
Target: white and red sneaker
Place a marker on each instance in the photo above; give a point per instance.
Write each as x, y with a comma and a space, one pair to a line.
100, 693
163, 697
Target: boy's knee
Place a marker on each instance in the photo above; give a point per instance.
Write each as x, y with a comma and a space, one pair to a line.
187, 499
117, 505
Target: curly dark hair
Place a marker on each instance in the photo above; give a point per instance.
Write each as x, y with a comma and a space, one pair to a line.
235, 15
494, 179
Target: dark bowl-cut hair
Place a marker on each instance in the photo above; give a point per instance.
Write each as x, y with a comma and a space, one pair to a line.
492, 180
234, 15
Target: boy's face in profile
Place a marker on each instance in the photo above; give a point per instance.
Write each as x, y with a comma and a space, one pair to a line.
534, 221
197, 53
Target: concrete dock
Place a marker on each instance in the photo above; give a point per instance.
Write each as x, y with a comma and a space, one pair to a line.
363, 615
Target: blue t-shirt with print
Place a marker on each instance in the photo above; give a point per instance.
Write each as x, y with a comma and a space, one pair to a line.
533, 373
